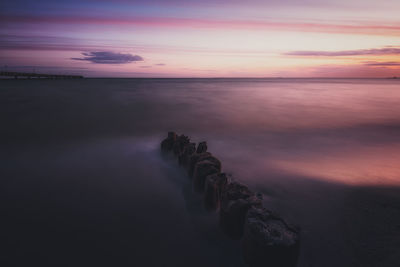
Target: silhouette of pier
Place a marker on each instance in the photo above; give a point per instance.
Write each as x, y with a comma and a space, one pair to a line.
28, 75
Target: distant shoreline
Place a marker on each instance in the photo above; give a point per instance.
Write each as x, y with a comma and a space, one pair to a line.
32, 75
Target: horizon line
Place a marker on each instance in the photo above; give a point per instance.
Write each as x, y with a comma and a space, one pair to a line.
105, 77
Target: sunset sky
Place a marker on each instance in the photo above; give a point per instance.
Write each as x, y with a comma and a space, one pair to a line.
210, 38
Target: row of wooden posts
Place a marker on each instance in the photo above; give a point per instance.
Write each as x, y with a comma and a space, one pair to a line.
267, 240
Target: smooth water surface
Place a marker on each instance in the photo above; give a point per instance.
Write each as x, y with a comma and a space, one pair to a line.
83, 182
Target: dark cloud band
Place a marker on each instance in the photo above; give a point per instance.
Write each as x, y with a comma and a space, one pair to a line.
105, 57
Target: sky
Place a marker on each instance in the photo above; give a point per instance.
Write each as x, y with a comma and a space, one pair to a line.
209, 38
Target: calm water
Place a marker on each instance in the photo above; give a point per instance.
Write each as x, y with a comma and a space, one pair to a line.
84, 184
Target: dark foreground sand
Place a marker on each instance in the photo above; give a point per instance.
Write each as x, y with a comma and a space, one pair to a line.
371, 221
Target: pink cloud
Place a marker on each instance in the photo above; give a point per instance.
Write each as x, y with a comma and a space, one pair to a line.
354, 71
382, 64
360, 52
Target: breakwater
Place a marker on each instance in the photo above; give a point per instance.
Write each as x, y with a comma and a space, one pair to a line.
30, 75
267, 240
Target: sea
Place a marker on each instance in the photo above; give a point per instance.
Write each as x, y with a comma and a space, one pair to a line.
83, 182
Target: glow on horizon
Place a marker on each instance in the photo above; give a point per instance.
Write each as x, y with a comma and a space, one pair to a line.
206, 40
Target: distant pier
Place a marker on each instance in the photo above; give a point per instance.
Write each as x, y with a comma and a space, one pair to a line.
27, 75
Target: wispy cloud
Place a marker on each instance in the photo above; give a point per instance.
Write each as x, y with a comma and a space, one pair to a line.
382, 64
106, 57
360, 52
179, 22
351, 71
160, 64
